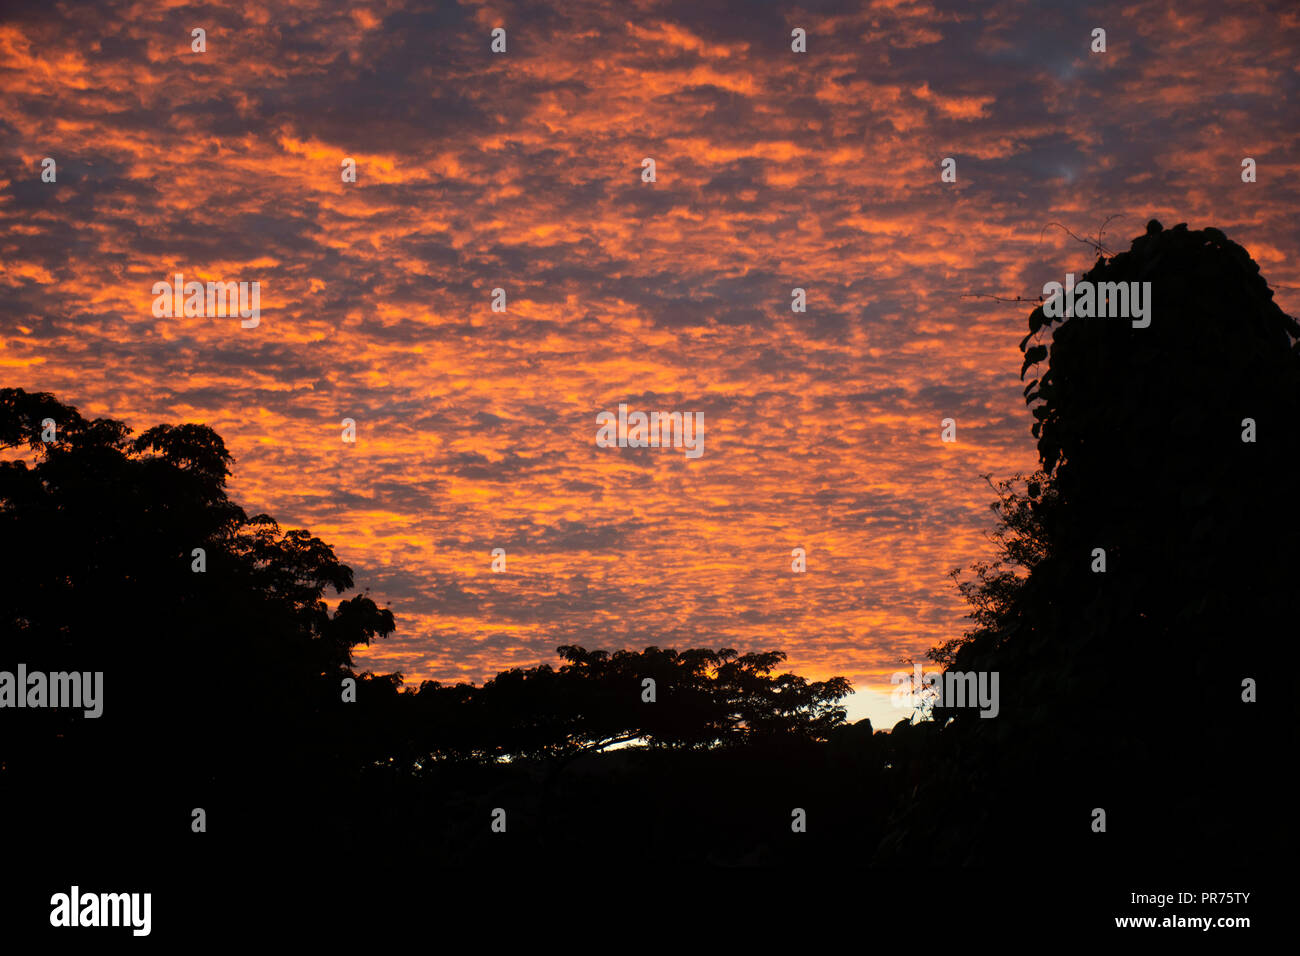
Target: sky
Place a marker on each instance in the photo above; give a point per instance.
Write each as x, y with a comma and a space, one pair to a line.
523, 171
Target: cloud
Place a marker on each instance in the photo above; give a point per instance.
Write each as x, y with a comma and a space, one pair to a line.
775, 170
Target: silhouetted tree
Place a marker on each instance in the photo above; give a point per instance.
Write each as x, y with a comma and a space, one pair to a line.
211, 680
703, 699
222, 689
1122, 689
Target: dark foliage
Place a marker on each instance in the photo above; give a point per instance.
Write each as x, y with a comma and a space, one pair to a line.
1119, 690
223, 689
1123, 690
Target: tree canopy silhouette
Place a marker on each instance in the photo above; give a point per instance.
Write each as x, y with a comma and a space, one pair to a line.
1169, 449
208, 677
1173, 449
223, 688
701, 699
